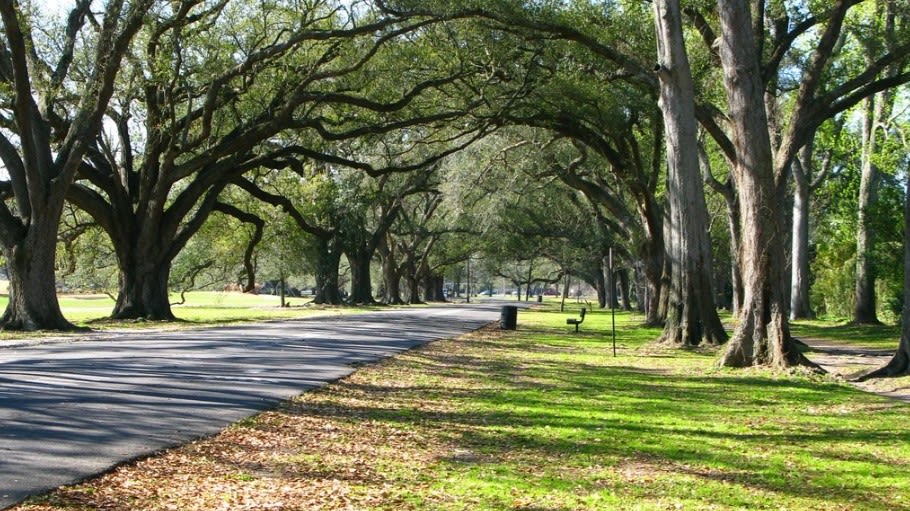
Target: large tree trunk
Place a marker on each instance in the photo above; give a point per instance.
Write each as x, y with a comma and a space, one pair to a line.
433, 287
143, 290
762, 335
736, 275
392, 287
864, 292
413, 284
146, 249
438, 288
641, 290
412, 277
391, 276
654, 262
799, 256
33, 301
328, 257
361, 279
427, 278
145, 269
624, 289
691, 314
600, 285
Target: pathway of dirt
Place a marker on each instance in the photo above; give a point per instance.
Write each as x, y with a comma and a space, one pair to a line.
848, 362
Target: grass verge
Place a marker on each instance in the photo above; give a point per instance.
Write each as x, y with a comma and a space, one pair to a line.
201, 308
879, 337
537, 419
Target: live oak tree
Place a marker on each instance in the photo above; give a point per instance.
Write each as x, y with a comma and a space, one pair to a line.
311, 200
405, 250
369, 213
600, 97
186, 125
52, 110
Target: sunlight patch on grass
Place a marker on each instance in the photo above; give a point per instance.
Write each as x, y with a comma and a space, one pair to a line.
540, 419
202, 308
884, 337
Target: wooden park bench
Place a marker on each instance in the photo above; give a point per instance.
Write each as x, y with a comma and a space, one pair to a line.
579, 320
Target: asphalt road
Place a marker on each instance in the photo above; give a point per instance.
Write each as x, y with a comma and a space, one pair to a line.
73, 408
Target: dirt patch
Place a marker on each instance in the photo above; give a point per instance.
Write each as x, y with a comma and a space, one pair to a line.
848, 362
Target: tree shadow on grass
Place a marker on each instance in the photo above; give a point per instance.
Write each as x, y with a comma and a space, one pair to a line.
749, 430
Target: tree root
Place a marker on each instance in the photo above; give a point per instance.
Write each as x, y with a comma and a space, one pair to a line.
899, 365
800, 360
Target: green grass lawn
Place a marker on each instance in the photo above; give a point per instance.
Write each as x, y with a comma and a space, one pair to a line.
540, 419
865, 336
201, 308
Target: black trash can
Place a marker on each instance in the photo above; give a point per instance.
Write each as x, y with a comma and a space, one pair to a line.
539, 298
508, 317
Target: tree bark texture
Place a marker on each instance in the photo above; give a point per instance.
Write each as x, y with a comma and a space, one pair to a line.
33, 301
799, 248
328, 257
864, 307
47, 129
622, 275
691, 314
600, 285
361, 279
391, 275
143, 290
433, 287
414, 273
762, 335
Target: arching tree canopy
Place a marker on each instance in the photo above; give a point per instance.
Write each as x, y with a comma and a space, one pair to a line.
403, 140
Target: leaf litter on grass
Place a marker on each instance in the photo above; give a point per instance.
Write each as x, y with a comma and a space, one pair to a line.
488, 422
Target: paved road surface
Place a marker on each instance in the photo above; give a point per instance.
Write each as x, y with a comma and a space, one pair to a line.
71, 409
